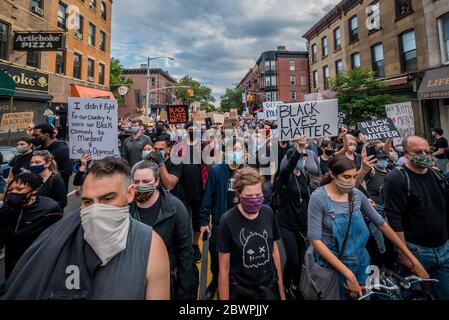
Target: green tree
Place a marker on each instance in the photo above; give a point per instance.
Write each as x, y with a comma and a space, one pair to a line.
232, 99
200, 93
116, 75
361, 95
207, 106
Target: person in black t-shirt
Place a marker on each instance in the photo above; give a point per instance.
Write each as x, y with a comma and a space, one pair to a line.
418, 211
440, 146
25, 149
167, 215
327, 150
249, 260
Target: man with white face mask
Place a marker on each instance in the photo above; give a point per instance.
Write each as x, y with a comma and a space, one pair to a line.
102, 253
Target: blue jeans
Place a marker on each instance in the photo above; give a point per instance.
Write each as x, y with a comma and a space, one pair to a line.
436, 262
442, 165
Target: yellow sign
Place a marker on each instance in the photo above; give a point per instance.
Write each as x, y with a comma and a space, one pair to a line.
17, 120
163, 115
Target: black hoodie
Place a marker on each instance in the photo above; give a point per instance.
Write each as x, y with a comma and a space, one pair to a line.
60, 152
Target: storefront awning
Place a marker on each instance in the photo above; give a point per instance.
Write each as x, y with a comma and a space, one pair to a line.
85, 92
435, 84
7, 85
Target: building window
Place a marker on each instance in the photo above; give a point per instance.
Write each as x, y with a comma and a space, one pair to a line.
326, 77
270, 65
408, 51
268, 96
353, 29
355, 60
270, 81
303, 80
62, 16
339, 67
377, 53
293, 95
324, 46
77, 65
79, 22
104, 11
292, 65
37, 6
314, 52
337, 39
315, 79
444, 36
34, 59
293, 80
93, 5
90, 70
92, 34
102, 41
4, 40
60, 65
274, 96
403, 8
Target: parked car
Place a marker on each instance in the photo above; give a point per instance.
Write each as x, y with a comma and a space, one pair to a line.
8, 154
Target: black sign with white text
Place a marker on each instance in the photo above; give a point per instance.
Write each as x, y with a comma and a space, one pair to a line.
42, 41
379, 129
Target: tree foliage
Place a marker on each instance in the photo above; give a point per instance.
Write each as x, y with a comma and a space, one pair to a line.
200, 93
361, 95
115, 80
232, 99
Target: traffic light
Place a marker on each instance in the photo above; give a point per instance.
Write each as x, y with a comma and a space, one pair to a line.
249, 98
190, 93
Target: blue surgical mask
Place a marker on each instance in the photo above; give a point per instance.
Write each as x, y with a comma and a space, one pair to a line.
382, 164
235, 157
301, 164
145, 153
162, 152
37, 169
134, 130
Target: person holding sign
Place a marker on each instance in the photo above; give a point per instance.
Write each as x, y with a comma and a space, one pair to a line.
338, 232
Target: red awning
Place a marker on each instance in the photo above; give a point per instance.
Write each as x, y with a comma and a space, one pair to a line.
85, 92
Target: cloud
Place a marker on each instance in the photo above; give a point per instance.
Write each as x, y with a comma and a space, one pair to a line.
214, 41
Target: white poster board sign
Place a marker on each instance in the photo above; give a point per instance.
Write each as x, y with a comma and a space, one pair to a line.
313, 119
402, 116
269, 111
92, 128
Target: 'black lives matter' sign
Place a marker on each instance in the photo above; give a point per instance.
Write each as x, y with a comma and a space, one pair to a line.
379, 129
313, 119
42, 41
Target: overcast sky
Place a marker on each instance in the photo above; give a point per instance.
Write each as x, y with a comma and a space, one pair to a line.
214, 41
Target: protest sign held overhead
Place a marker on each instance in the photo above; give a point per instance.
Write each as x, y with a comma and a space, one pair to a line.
92, 128
401, 114
16, 120
163, 115
379, 129
269, 111
178, 114
233, 114
313, 119
218, 118
341, 118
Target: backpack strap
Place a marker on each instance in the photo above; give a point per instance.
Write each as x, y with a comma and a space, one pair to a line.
407, 180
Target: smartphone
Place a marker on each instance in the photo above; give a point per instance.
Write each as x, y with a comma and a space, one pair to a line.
205, 236
371, 151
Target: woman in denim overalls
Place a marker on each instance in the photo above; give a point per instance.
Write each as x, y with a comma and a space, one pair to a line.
328, 219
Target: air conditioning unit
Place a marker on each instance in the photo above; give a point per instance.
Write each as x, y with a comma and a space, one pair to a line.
78, 34
61, 25
90, 79
37, 10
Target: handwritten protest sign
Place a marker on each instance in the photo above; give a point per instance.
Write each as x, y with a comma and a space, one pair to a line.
200, 115
379, 129
313, 119
218, 118
341, 118
17, 120
401, 114
178, 114
92, 127
233, 114
163, 116
269, 111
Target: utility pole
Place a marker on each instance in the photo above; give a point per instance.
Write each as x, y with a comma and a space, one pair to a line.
148, 89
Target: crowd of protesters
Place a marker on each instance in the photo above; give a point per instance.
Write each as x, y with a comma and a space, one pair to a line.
341, 203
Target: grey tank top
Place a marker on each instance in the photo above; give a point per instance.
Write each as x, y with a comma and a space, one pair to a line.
124, 277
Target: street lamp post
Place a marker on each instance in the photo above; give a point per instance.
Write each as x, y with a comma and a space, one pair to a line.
148, 82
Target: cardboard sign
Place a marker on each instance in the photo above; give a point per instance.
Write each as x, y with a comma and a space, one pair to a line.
218, 118
16, 120
313, 119
163, 115
379, 129
228, 123
233, 114
200, 115
269, 111
92, 128
178, 114
401, 114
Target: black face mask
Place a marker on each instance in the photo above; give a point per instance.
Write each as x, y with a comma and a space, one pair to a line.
16, 199
329, 152
160, 130
37, 142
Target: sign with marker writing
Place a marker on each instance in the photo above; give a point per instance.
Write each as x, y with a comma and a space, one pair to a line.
341, 118
178, 114
379, 129
92, 128
269, 111
16, 120
314, 119
403, 118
